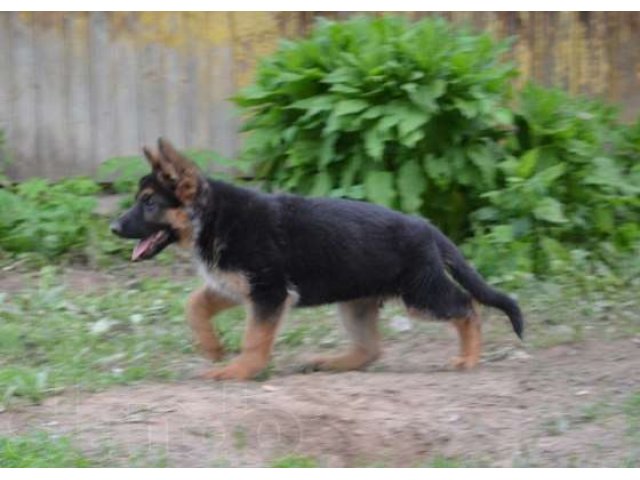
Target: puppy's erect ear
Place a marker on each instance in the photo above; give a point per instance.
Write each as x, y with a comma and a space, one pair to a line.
152, 158
163, 171
182, 171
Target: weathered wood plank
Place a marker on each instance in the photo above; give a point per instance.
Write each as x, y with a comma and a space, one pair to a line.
123, 85
150, 94
23, 140
222, 123
197, 82
6, 90
174, 78
79, 98
102, 90
52, 147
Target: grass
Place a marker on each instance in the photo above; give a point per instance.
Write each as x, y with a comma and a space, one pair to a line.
569, 310
53, 338
294, 461
632, 412
445, 462
40, 450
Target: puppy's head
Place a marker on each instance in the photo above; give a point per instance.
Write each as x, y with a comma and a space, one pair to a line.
160, 215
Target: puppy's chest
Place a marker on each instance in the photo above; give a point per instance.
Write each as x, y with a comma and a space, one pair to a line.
231, 284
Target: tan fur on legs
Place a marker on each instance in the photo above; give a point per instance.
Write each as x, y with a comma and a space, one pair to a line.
360, 318
470, 341
201, 306
256, 349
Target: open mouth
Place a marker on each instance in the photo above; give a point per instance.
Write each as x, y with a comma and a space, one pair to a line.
152, 245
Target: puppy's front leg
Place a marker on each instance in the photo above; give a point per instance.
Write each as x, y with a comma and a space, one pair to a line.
262, 325
203, 304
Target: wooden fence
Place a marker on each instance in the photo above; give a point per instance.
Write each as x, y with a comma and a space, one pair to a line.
77, 88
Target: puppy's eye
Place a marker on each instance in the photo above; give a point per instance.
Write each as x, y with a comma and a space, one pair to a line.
148, 202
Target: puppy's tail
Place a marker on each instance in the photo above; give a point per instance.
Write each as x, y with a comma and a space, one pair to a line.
471, 280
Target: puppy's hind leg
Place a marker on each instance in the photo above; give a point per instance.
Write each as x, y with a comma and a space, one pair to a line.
439, 297
470, 340
360, 318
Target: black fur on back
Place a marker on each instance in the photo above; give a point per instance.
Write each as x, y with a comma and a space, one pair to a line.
334, 250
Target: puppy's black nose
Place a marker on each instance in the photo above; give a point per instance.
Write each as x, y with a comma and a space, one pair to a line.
116, 228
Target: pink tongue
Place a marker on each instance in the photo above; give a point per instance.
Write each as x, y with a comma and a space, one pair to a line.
141, 248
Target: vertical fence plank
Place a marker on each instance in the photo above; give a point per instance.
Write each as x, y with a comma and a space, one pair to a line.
123, 84
200, 84
79, 99
102, 89
150, 93
53, 150
173, 77
6, 88
22, 142
223, 134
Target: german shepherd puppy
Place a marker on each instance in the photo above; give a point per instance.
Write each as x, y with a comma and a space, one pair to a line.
274, 252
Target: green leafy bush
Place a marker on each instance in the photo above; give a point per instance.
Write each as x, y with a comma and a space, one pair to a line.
571, 189
50, 219
420, 117
408, 115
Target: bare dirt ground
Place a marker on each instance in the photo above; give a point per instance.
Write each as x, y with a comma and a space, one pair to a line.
518, 410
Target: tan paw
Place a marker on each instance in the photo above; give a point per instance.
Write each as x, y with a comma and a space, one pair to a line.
233, 371
463, 363
316, 364
338, 363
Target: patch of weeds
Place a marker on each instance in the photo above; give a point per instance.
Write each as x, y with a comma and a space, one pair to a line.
40, 450
148, 458
445, 462
556, 426
52, 339
294, 336
110, 455
24, 382
593, 412
632, 411
240, 441
294, 461
563, 311
304, 331
561, 424
230, 326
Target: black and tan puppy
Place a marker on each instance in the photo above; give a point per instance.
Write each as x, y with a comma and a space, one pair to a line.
274, 252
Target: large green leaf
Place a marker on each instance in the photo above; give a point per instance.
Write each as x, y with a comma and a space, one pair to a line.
425, 96
438, 169
410, 121
374, 141
482, 158
411, 186
550, 210
321, 184
379, 188
527, 163
315, 103
346, 107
